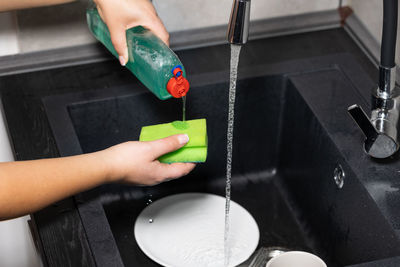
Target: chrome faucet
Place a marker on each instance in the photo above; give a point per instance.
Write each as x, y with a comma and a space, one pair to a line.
239, 22
381, 131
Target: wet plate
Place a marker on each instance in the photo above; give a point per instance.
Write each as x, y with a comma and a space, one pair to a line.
188, 230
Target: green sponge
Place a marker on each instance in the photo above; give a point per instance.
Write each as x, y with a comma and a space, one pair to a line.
194, 151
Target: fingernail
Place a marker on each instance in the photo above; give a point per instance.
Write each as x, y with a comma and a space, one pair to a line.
183, 139
122, 61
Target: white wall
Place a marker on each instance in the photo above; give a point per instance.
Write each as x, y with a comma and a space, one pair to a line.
8, 34
182, 15
65, 25
53, 27
16, 245
370, 12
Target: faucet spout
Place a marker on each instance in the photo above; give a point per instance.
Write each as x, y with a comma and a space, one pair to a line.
239, 22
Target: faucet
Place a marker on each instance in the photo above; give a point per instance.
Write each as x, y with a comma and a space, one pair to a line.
239, 22
381, 131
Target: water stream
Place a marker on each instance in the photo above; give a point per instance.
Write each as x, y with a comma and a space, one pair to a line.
235, 52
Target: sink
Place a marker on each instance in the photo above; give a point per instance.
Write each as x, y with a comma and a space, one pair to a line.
291, 134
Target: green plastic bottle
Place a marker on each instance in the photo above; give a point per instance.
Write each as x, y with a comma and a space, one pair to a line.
150, 60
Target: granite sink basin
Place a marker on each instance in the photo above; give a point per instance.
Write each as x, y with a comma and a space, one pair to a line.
298, 164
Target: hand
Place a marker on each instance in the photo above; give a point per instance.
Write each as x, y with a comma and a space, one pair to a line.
136, 162
120, 15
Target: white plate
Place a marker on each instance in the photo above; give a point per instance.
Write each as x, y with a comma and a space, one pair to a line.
188, 231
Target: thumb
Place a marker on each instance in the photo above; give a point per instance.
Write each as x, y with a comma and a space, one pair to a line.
168, 144
118, 39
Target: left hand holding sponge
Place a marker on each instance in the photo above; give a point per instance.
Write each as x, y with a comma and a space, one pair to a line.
194, 151
136, 162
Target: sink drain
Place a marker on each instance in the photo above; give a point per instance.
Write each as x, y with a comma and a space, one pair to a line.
338, 176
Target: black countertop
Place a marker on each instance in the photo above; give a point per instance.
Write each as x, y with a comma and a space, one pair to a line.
59, 230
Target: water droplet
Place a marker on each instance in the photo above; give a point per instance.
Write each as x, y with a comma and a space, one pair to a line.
149, 200
150, 220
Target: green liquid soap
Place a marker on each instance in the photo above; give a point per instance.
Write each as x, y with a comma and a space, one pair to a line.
180, 125
184, 108
150, 59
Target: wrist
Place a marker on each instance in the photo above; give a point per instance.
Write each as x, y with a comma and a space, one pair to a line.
103, 160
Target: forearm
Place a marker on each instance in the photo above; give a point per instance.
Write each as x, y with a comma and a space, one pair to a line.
7, 5
28, 186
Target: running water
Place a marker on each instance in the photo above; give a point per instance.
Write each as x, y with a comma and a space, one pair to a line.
183, 108
235, 52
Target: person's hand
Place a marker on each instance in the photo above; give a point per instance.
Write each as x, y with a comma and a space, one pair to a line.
120, 15
136, 162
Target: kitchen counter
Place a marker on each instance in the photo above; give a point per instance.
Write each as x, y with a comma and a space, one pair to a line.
59, 231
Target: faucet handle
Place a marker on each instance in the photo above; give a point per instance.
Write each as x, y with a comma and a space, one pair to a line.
377, 144
362, 120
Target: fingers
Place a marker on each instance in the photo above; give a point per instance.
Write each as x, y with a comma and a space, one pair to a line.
118, 39
157, 27
168, 144
167, 172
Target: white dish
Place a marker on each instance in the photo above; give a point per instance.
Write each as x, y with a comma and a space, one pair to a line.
188, 230
296, 258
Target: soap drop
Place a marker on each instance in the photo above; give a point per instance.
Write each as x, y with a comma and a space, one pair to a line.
150, 220
183, 108
180, 125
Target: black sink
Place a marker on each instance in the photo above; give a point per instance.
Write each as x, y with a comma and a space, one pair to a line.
291, 133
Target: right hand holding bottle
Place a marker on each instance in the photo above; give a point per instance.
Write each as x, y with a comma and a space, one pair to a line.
120, 15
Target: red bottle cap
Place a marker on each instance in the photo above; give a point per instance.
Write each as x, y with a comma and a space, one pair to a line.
178, 86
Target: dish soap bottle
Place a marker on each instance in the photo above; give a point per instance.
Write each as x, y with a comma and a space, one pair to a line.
150, 59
